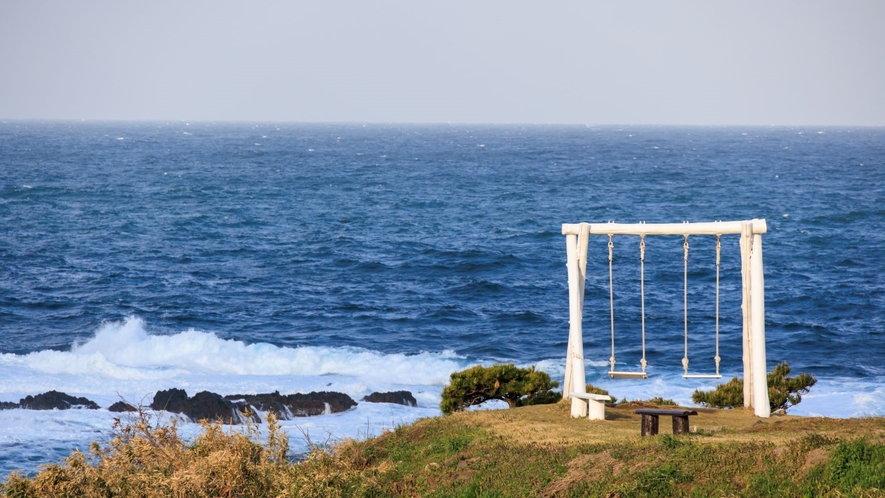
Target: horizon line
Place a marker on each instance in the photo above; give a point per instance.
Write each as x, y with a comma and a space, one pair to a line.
187, 122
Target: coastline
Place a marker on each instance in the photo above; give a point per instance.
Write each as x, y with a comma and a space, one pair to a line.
541, 451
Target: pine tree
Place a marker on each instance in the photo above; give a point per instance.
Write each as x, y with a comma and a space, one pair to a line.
506, 382
783, 391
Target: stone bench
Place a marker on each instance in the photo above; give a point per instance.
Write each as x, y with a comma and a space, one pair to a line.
595, 404
650, 420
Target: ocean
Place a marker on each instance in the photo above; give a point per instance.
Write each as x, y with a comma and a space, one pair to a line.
254, 257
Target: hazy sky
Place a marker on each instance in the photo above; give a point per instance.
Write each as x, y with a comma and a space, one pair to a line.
597, 62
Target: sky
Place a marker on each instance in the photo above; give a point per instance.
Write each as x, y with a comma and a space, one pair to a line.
679, 62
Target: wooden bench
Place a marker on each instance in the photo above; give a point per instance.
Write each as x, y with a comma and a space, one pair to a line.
650, 420
595, 404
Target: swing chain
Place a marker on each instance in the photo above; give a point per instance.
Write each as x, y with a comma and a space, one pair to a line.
717, 358
685, 302
718, 249
610, 247
611, 299
642, 362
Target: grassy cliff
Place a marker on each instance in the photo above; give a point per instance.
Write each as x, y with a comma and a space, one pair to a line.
528, 451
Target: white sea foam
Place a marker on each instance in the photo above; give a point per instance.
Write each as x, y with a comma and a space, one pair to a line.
125, 351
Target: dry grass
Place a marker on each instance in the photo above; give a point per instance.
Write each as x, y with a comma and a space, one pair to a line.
552, 424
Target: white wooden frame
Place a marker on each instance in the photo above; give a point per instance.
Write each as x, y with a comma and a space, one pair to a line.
752, 304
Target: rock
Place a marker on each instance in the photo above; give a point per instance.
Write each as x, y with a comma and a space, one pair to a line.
308, 405
54, 400
172, 400
272, 402
318, 403
207, 405
204, 405
297, 405
120, 407
9, 405
398, 397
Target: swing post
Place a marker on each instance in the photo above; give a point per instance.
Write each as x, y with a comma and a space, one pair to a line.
576, 261
756, 379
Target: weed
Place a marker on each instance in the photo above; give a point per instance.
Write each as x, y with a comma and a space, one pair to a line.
670, 442
813, 441
660, 481
858, 464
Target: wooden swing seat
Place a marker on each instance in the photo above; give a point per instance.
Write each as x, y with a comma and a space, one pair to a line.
628, 375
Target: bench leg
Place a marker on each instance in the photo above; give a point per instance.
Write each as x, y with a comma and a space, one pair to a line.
649, 425
596, 410
680, 425
579, 407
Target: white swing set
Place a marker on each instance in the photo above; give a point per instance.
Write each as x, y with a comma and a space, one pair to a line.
753, 302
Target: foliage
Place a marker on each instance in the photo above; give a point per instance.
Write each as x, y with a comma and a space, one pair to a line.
150, 459
783, 391
657, 400
591, 389
506, 382
728, 395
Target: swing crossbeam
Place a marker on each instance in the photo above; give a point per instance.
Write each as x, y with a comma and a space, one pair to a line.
757, 227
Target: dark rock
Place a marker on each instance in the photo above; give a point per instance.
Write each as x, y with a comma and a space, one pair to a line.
307, 405
54, 400
398, 397
297, 405
316, 403
207, 405
272, 402
120, 407
204, 405
8, 405
172, 400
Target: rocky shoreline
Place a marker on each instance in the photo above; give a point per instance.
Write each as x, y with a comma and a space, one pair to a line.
231, 409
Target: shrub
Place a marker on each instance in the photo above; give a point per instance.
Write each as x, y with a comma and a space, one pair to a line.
513, 385
728, 395
591, 389
151, 459
657, 400
783, 391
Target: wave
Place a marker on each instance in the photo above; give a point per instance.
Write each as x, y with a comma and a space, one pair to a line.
125, 352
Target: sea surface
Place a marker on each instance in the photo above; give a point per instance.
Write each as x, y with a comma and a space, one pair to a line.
253, 257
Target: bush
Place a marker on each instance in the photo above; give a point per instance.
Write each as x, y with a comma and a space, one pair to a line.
513, 385
783, 391
657, 400
151, 459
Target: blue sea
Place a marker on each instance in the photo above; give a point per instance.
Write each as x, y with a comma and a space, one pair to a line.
253, 257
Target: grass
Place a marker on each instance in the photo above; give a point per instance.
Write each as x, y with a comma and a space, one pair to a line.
529, 451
